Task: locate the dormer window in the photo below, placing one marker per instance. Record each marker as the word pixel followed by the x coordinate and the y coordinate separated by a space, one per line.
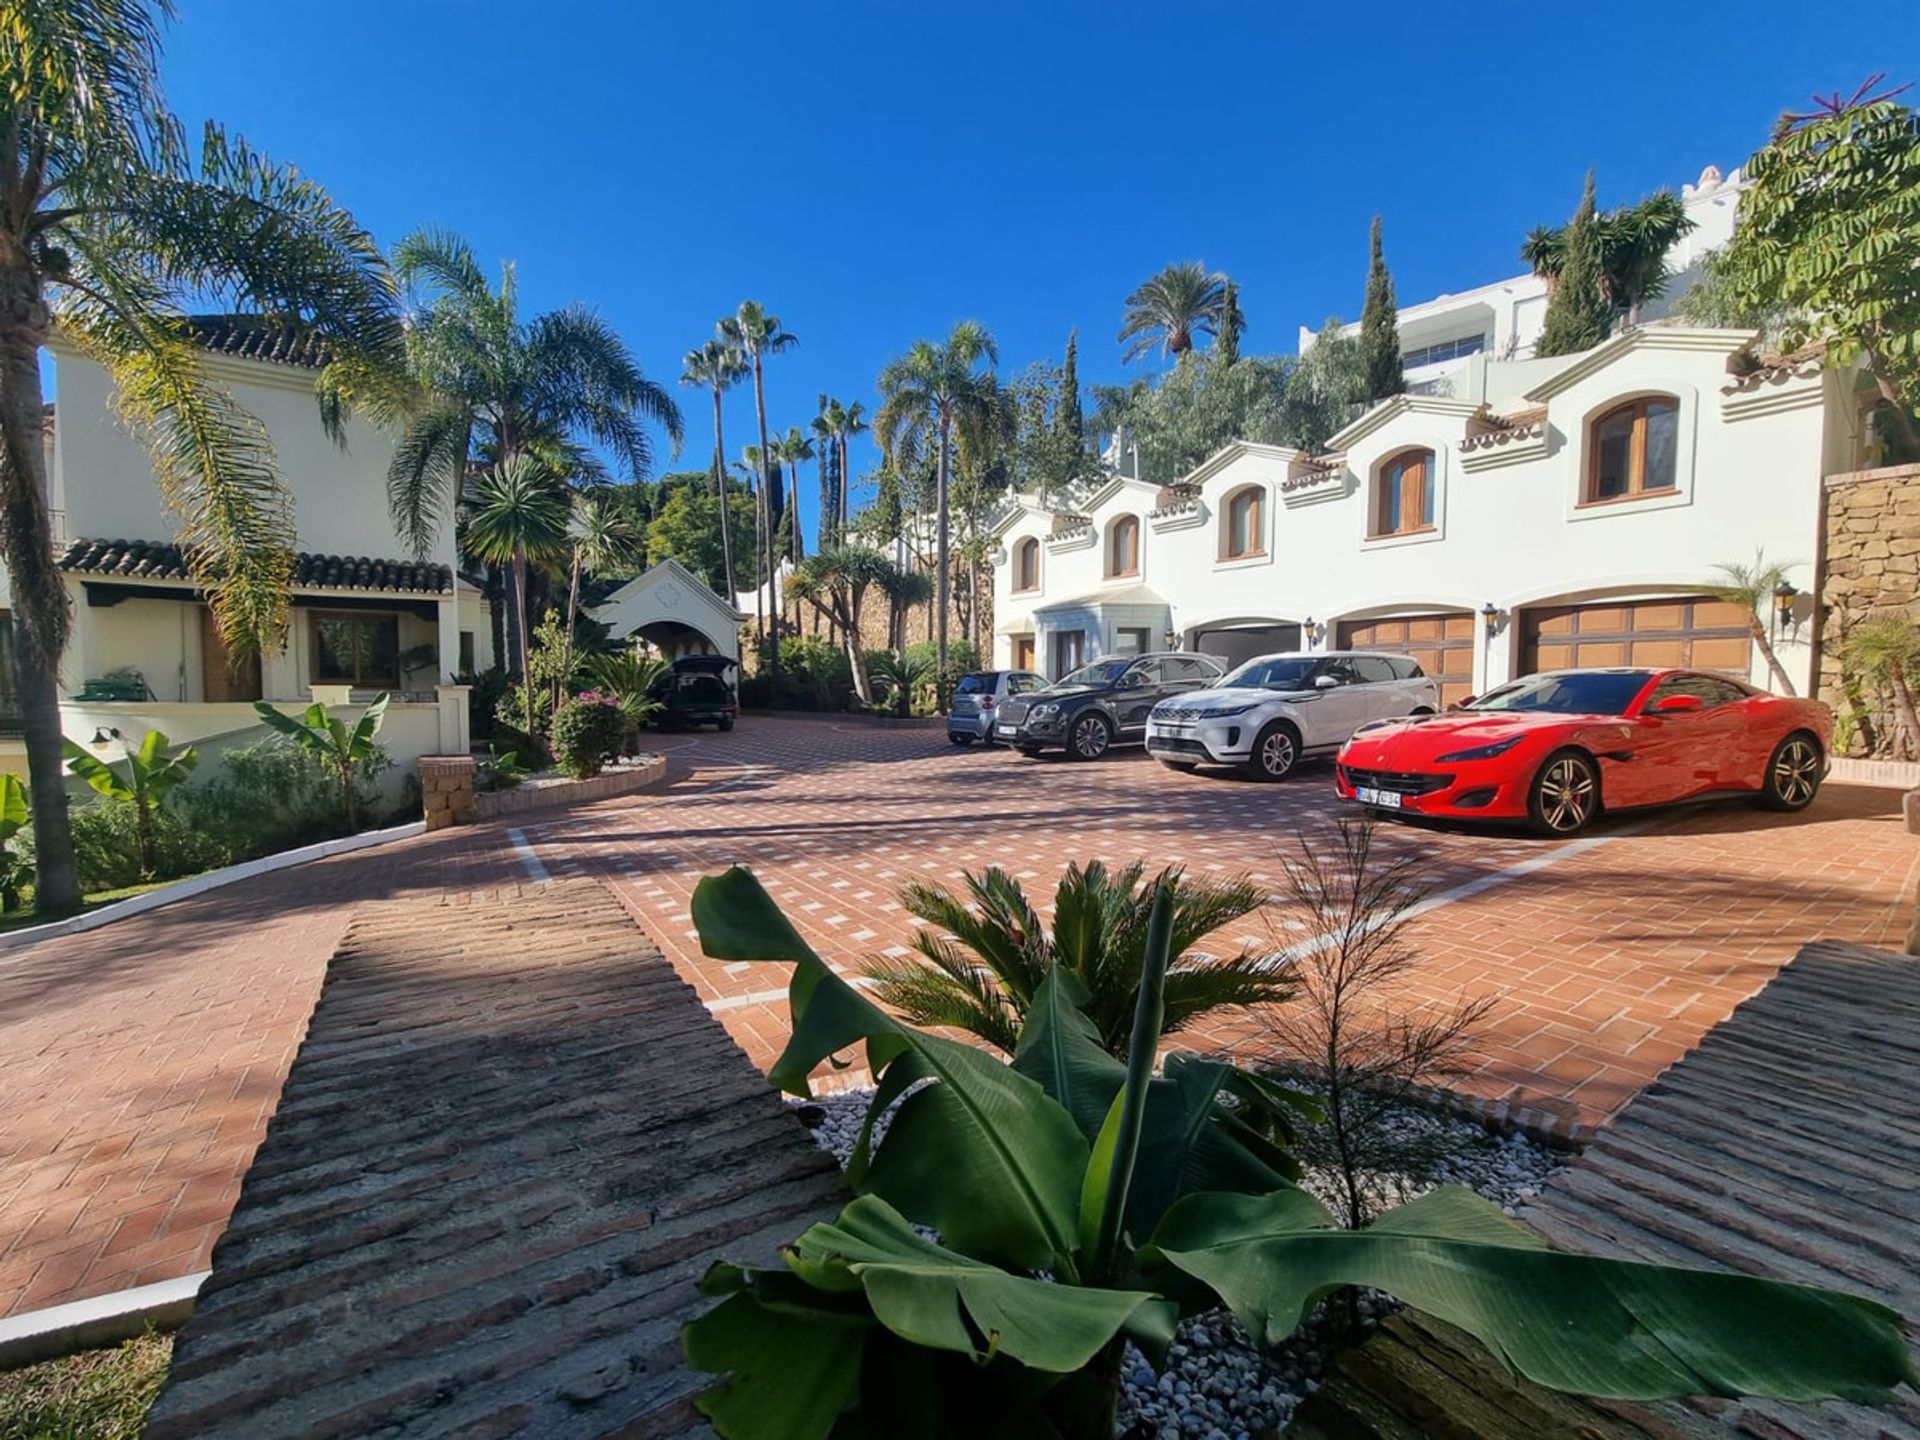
pixel 1026 565
pixel 1123 548
pixel 1634 450
pixel 1403 494
pixel 1245 534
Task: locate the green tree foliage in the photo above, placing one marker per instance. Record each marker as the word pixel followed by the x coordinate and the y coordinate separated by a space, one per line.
pixel 1199 405
pixel 1069 416
pixel 1884 649
pixel 113 225
pixel 687 529
pixel 1172 310
pixel 1226 344
pixel 1752 588
pixel 1830 232
pixel 1634 241
pixel 342 747
pixel 1579 315
pixel 517 517
pixel 836 581
pixel 587 731
pixel 14 815
pixel 719 367
pixel 982 957
pixel 151 773
pixel 1380 326
pixel 1324 390
pixel 1083 1202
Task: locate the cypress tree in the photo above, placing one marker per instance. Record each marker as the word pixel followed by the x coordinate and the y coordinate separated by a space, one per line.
pixel 1226 341
pixel 1068 416
pixel 1380 327
pixel 1579 316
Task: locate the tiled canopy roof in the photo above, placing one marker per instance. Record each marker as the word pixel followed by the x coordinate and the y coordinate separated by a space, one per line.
pixel 256 337
pixel 154 560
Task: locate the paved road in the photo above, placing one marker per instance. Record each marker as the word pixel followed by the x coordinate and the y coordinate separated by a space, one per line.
pixel 138 1063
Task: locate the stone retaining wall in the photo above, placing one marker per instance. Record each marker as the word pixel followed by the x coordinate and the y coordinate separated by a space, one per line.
pixel 1870 561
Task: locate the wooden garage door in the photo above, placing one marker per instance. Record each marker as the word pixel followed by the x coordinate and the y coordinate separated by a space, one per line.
pixel 1702 634
pixel 1441 642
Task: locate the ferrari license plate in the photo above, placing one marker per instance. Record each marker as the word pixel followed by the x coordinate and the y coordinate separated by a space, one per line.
pixel 1385 799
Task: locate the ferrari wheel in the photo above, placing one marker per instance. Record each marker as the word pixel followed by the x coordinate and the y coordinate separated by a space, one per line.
pixel 1565 795
pixel 1089 737
pixel 1793 774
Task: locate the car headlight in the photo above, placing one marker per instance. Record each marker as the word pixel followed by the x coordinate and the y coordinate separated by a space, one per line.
pixel 1044 711
pixel 1224 711
pixel 1479 752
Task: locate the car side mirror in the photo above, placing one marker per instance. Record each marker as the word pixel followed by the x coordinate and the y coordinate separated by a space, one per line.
pixel 1677 705
pixel 1326 682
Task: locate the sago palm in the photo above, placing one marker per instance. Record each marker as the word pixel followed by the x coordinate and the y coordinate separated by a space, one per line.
pixel 984 955
pixel 1172 310
pixel 719 367
pixel 486 383
pixel 925 395
pixel 1885 648
pixel 111 229
pixel 1752 588
pixel 517 516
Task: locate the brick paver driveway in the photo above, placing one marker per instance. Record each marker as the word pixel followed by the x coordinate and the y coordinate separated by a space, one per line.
pixel 138 1063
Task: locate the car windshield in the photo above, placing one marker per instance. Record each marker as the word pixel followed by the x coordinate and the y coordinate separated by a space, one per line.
pixel 1101 672
pixel 1289 673
pixel 1588 692
pixel 975 684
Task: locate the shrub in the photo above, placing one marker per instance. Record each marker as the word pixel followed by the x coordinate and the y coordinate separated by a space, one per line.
pixel 273 795
pixel 485 693
pixel 1082 1203
pixel 587 731
pixel 107 851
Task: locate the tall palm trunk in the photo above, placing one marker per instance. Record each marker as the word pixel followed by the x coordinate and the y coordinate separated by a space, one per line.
pixel 829 527
pixel 940 559
pixel 759 568
pixel 769 541
pixel 1774 667
pixel 39 594
pixel 520 599
pixel 846 487
pixel 720 494
pixel 1903 705
pixel 573 612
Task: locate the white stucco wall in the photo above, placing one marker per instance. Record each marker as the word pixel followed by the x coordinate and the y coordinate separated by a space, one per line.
pixel 1509 528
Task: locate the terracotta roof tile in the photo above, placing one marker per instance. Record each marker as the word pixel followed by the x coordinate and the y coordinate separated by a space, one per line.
pixel 257 337
pixel 158 560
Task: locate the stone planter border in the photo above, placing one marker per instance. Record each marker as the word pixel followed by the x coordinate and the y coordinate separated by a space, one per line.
pixel 548 794
pixel 1896 774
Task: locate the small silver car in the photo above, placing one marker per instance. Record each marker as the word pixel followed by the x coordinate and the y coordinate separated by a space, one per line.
pixel 979 695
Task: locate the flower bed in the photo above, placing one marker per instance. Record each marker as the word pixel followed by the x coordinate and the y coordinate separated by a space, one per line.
pixel 541 792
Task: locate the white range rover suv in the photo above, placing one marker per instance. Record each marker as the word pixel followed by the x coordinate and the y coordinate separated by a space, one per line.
pixel 1276 710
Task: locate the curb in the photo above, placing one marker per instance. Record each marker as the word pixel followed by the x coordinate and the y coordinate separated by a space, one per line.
pixel 98 1321
pixel 200 884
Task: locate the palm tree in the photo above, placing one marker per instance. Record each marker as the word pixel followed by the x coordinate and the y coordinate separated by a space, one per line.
pixel 1634 243
pixel 516 516
pixel 602 539
pixel 755 335
pixel 835 580
pixel 719 367
pixel 932 388
pixel 1886 648
pixel 110 229
pixel 852 422
pixel 790 450
pixel 489 386
pixel 1173 309
pixel 1752 588
pixel 750 470
pixel 984 955
pixel 826 443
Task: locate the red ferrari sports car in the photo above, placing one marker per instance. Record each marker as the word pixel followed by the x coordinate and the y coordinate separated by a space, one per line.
pixel 1556 749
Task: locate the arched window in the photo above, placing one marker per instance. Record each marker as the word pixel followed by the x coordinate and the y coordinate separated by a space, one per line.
pixel 1634 449
pixel 1026 565
pixel 1403 494
pixel 1123 547
pixel 1245 524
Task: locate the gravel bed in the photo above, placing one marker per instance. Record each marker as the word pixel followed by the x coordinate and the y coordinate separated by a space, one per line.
pixel 1218 1385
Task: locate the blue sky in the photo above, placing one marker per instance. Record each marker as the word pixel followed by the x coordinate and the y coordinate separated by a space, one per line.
pixel 874 172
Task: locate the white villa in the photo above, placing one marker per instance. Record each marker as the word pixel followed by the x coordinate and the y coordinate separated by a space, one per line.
pixel 366 617
pixel 1536 513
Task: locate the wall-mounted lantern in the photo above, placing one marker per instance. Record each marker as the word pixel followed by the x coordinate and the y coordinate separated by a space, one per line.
pixel 1490 617
pixel 1784 595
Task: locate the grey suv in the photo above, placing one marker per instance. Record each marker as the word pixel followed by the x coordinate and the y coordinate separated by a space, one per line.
pixel 1102 705
pixel 977 697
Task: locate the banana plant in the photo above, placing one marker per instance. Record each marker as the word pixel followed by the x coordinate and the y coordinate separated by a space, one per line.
pixel 13 819
pixel 338 745
pixel 1081 1203
pixel 151 773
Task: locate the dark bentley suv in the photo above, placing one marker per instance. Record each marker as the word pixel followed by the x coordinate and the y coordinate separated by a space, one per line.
pixel 1105 704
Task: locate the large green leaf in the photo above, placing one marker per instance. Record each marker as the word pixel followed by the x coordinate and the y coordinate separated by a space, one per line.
pixel 366 727
pixel 96 772
pixel 937 1297
pixel 982 1155
pixel 1060 1050
pixel 1575 1322
pixel 788 1369
pixel 13 806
